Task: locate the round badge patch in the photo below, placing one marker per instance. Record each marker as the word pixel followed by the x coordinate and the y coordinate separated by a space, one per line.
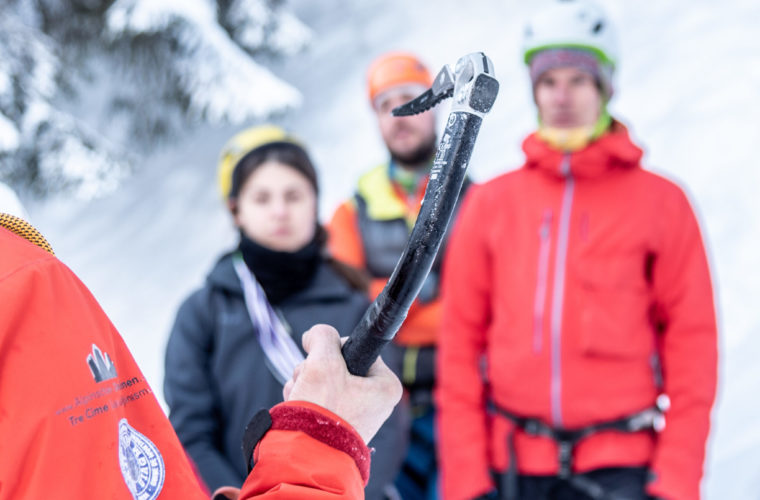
pixel 141 463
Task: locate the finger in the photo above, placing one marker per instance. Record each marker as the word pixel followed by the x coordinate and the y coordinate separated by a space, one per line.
pixel 322 342
pixel 297 371
pixel 379 368
pixel 380 372
pixel 290 383
pixel 287 389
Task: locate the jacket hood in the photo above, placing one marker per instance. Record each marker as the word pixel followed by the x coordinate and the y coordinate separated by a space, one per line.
pixel 326 285
pixel 613 150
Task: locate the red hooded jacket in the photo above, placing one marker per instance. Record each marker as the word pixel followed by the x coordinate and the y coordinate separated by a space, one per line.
pixel 563 281
pixel 78 420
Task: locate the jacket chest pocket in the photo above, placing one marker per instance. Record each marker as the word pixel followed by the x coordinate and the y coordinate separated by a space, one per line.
pixel 614 305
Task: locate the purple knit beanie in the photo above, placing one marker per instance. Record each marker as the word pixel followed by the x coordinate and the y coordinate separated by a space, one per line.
pixel 584 60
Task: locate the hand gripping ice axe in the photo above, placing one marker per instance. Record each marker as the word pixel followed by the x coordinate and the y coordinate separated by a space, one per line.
pixel 474 89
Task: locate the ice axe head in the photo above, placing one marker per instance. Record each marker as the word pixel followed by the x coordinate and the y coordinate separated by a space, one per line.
pixel 472 85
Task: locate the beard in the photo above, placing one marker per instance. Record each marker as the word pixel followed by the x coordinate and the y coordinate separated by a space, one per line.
pixel 418 157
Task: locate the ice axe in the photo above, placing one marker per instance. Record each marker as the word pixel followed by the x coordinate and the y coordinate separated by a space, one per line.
pixel 474 89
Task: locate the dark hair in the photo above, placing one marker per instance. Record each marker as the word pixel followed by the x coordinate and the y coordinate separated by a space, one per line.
pixel 358 279
pixel 287 153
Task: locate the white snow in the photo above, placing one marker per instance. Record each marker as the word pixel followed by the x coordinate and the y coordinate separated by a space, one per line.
pixel 688 86
pixel 231 87
pixel 28 68
pixel 5 79
pixel 9 135
pixel 10 203
pixel 28 59
pixel 74 155
pixel 152 16
pixel 252 34
pixel 223 82
pixel 291 35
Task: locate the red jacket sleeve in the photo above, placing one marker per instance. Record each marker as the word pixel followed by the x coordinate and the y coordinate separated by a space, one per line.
pixel 460 393
pixel 688 344
pixel 308 453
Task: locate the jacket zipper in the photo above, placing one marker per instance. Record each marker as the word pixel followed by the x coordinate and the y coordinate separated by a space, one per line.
pixel 558 292
pixel 539 305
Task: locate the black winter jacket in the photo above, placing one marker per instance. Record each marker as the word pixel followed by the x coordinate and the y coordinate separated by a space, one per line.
pixel 217 377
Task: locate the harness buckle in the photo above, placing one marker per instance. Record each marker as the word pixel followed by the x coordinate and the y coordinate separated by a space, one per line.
pixel 565 458
pixel 532 427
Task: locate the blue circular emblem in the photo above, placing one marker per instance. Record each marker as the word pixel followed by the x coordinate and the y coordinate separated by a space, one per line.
pixel 141 463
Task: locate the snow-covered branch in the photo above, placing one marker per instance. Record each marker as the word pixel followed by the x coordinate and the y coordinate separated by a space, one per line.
pixel 188 61
pixel 221 82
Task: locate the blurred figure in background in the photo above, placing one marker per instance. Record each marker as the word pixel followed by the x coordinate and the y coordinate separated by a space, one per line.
pixel 370 231
pixel 236 341
pixel 577 299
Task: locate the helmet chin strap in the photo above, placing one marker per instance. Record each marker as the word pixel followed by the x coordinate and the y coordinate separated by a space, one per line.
pixel 575 138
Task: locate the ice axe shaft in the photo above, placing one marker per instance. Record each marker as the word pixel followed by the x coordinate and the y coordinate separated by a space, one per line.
pixel 474 91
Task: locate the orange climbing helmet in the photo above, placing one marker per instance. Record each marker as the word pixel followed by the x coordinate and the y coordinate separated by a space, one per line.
pixel 394 69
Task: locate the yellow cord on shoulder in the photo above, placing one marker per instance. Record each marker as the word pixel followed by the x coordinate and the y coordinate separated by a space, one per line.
pixel 22 228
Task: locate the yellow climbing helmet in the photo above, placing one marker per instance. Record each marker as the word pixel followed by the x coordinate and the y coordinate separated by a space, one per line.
pixel 243 143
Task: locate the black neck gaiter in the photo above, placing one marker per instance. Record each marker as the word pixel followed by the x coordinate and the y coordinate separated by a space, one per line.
pixel 281 274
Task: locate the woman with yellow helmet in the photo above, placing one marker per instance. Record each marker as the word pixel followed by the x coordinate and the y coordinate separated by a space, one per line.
pixel 243 328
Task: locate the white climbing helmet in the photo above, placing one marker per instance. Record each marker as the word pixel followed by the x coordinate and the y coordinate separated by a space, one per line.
pixel 571 24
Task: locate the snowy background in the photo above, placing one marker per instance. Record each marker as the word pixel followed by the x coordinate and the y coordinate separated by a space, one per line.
pixel 688 86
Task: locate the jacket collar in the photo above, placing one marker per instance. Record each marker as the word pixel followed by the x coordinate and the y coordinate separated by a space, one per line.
pixel 613 150
pixel 325 286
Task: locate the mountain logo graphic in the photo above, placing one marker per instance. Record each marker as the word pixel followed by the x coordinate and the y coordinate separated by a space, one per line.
pixel 100 364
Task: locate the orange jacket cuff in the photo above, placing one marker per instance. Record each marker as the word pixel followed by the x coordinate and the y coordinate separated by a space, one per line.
pixel 325 426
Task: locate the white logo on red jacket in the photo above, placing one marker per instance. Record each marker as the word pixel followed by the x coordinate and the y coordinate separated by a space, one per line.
pixel 141 463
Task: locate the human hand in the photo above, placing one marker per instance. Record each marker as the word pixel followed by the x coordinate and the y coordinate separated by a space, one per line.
pixel 323 379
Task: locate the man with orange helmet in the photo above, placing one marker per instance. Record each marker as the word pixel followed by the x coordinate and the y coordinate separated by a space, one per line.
pixel 370 231
pixel 580 307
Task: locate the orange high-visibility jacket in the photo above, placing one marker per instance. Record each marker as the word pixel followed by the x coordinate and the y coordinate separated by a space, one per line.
pixel 393 215
pixel 78 419
pixel 571 276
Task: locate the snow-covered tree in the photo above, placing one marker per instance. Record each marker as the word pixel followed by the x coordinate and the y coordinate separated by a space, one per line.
pixel 177 63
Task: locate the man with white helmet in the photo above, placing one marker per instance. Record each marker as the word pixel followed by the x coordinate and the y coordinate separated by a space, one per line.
pixel 580 309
